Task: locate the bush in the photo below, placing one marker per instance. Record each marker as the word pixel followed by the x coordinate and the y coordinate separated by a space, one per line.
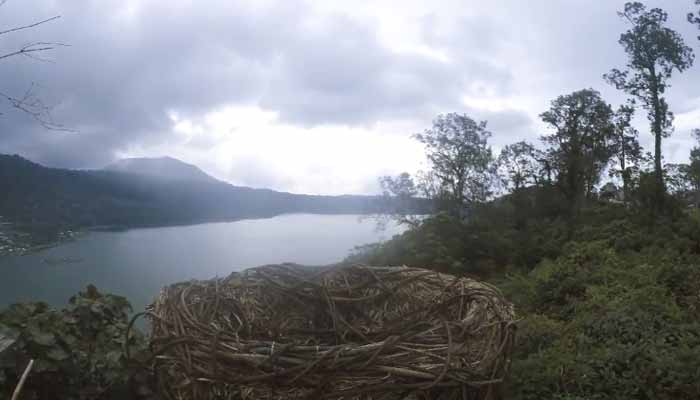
pixel 78 351
pixel 609 300
pixel 601 328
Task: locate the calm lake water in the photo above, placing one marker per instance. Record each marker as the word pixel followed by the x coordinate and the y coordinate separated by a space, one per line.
pixel 137 263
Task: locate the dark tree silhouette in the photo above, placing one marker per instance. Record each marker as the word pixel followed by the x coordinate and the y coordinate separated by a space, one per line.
pixel 694 168
pixel 580 146
pixel 398 200
pixel 519 165
pixel 626 147
pixel 654 52
pixel 460 159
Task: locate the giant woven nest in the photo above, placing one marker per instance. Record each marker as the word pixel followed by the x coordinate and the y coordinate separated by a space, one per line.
pixel 293 332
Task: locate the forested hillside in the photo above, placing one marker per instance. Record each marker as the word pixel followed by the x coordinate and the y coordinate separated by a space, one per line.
pixel 595 240
pixel 37 196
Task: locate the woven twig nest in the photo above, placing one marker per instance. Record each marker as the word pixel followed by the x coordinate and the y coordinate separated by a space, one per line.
pixel 292 332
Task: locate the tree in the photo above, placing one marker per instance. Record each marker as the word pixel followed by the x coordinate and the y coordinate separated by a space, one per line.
pixel 677 178
pixel 519 165
pixel 654 52
pixel 28 102
pixel 460 160
pixel 694 167
pixel 626 147
pixel 398 199
pixel 580 147
pixel 695 19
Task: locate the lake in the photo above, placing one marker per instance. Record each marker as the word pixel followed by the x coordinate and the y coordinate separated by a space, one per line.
pixel 136 263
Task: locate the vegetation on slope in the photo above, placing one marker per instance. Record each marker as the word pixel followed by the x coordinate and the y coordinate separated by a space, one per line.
pixel 606 281
pixel 78 350
pixel 608 306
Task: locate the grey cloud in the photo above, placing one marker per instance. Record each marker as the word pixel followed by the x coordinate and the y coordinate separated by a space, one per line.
pixel 509 126
pixel 344 75
pixel 252 171
pixel 116 83
pixel 121 76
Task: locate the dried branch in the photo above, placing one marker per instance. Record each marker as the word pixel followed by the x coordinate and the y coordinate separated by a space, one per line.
pixel 29 103
pixel 19 28
pixel 35 108
pixel 29 49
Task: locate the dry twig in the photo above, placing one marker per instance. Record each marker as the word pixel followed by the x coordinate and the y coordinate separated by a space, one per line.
pixel 22 379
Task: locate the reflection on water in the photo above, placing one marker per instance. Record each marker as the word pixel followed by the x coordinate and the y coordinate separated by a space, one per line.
pixel 137 263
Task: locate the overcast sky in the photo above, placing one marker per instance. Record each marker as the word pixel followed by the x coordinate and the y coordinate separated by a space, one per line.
pixel 309 96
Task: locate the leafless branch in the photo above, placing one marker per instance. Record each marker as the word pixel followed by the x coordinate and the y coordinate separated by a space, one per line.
pixel 19 28
pixel 35 47
pixel 29 103
pixel 35 108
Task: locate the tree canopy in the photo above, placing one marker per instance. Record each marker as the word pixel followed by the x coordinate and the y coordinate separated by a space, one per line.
pixel 460 159
pixel 580 145
pixel 654 52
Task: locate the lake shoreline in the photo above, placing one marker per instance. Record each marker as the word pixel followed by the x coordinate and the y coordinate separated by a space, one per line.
pixel 25 242
pixel 138 262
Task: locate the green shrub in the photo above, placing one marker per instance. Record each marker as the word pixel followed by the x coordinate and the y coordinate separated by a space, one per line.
pixel 78 351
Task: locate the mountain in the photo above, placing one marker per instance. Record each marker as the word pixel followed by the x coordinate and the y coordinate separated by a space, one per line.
pixel 132 194
pixel 162 167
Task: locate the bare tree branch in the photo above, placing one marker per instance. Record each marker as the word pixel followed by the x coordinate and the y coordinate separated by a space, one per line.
pixel 29 103
pixel 35 108
pixel 35 47
pixel 19 28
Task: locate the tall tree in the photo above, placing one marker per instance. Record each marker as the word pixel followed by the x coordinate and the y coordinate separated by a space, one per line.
pixel 654 52
pixel 519 165
pixel 580 146
pixel 694 168
pixel 626 147
pixel 460 159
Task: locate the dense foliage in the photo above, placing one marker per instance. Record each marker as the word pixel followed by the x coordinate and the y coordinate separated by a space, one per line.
pixel 609 305
pixel 607 321
pixel 654 52
pixel 78 351
pixel 606 281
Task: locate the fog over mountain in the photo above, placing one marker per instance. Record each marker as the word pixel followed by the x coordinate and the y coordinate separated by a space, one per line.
pixel 308 96
pixel 161 167
pixel 145 192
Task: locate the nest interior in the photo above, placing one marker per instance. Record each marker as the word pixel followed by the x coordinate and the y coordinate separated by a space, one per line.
pixel 353 332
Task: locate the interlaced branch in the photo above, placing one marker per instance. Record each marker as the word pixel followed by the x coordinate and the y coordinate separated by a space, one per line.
pixel 292 332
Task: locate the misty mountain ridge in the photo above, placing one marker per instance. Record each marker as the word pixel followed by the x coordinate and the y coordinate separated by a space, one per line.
pixel 161 167
pixel 146 192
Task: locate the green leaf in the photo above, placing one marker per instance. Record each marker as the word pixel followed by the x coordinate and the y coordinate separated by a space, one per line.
pixel 44 339
pixel 69 339
pixel 114 357
pixel 57 354
pixel 43 366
